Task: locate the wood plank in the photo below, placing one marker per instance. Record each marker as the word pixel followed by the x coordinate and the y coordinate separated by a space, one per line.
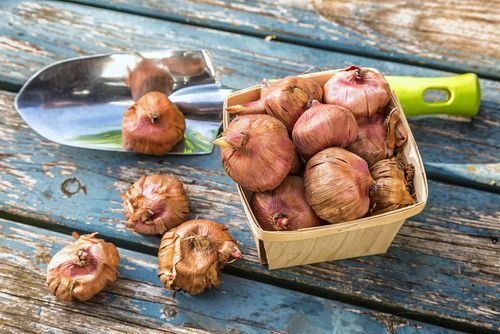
pixel 245 74
pixel 456 35
pixel 442 266
pixel 137 303
pixel 35 34
pixel 468 174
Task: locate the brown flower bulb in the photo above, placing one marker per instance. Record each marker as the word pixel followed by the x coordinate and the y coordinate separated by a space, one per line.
pixel 285 99
pixel 322 126
pixel 83 268
pixel 361 90
pixel 256 152
pixel 155 203
pixel 337 184
pixel 284 208
pixel 391 186
pixel 149 76
pixel 396 132
pixel 185 65
pixel 153 125
pixel 379 136
pixel 192 255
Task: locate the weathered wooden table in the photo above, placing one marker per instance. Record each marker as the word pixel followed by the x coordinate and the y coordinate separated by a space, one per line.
pixel 441 274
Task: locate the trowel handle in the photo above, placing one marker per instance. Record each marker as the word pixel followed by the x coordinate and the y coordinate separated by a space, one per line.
pixel 462 94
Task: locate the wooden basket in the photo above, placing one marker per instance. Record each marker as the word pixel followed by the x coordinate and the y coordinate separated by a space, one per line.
pixel 360 237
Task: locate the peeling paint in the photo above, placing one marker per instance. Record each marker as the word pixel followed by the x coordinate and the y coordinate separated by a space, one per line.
pixel 65 168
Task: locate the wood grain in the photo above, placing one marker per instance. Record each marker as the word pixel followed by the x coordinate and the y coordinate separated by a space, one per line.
pixel 443 265
pixel 459 35
pixel 137 303
pixel 34 34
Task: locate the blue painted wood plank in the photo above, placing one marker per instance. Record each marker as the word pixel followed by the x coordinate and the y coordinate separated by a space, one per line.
pixel 487 174
pixel 137 302
pixel 443 264
pixel 37 33
pixel 249 59
pixel 427 33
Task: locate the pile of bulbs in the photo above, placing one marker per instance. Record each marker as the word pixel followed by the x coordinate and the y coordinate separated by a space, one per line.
pixel 345 133
pixel 192 252
pixel 191 255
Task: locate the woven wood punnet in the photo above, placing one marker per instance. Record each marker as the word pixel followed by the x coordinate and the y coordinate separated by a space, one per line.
pixel 360 237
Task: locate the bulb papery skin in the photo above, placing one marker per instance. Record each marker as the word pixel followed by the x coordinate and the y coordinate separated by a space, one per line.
pixel 371 142
pixel 191 255
pixel 185 65
pixel 288 99
pixel 396 132
pixel 358 89
pixel 256 152
pixel 379 136
pixel 337 184
pixel 149 76
pixel 322 126
pixel 285 99
pixel 284 208
pixel 83 268
pixel 153 125
pixel 391 190
pixel 249 108
pixel 155 203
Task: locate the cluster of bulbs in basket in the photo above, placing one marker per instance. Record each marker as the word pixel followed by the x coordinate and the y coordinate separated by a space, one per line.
pixel 313 155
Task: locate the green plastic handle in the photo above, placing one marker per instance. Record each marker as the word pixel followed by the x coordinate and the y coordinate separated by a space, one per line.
pixel 463 91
